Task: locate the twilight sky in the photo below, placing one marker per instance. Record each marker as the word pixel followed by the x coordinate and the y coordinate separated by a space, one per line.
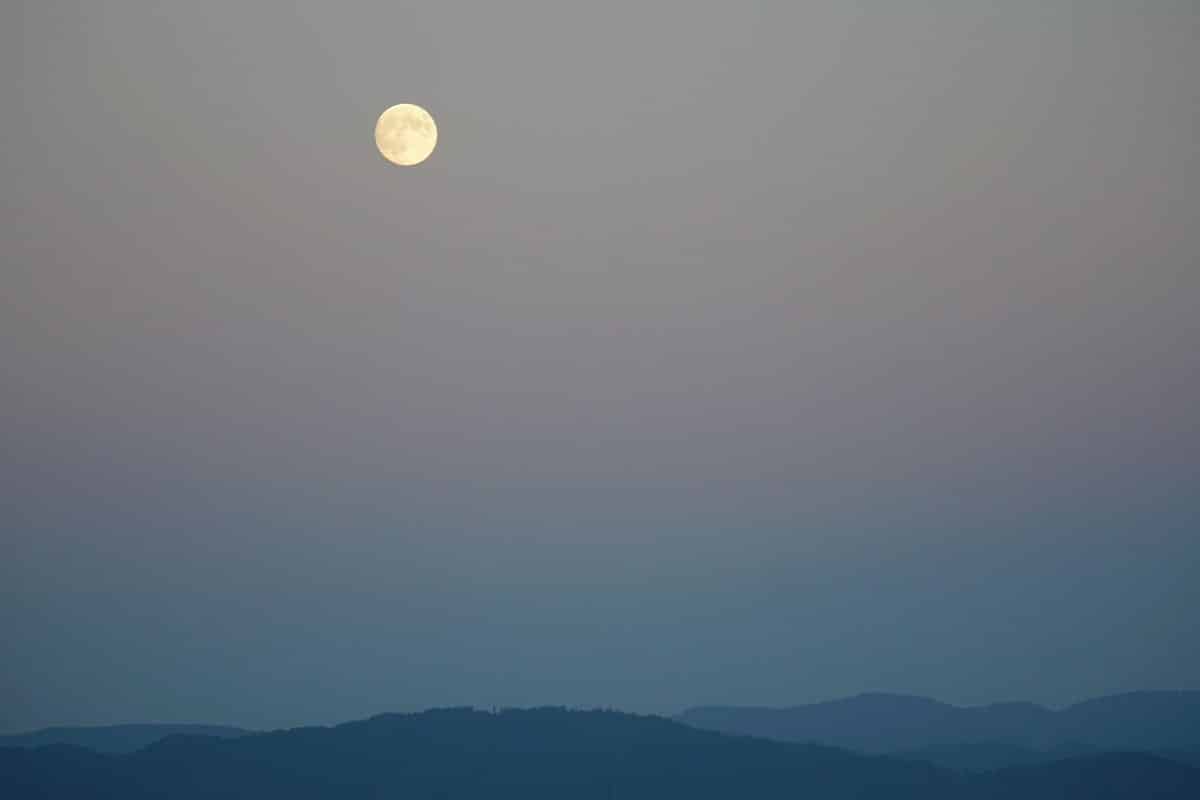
pixel 722 353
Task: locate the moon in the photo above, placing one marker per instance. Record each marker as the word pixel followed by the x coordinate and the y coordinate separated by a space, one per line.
pixel 406 134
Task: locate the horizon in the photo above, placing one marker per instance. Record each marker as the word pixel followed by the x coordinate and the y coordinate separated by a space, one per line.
pixel 674 716
pixel 1138 750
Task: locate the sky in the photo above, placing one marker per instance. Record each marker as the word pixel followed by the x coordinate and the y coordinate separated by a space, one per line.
pixel 740 353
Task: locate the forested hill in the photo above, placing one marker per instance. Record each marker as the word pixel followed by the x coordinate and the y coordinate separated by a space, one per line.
pixel 544 753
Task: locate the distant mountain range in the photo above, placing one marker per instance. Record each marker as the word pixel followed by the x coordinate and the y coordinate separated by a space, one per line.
pixel 549 753
pixel 115 738
pixel 977 737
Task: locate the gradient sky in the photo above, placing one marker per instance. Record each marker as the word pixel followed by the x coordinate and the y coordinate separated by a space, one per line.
pixel 722 353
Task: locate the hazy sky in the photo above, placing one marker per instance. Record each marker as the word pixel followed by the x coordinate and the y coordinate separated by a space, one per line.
pixel 723 352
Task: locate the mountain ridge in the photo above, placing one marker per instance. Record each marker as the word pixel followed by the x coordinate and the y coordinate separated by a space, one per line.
pixel 115 739
pixel 544 753
pixel 876 722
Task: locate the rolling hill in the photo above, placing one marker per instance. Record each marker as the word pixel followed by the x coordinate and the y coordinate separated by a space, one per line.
pixel 543 753
pixel 884 723
pixel 115 738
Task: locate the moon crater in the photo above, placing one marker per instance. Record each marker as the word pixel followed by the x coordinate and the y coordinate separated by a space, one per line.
pixel 406 134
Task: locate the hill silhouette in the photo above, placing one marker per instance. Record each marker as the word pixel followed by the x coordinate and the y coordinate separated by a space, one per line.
pixel 542 753
pixel 114 738
pixel 980 756
pixel 885 723
pixel 1111 776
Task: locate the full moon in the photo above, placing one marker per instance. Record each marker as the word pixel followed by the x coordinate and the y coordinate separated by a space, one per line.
pixel 406 134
